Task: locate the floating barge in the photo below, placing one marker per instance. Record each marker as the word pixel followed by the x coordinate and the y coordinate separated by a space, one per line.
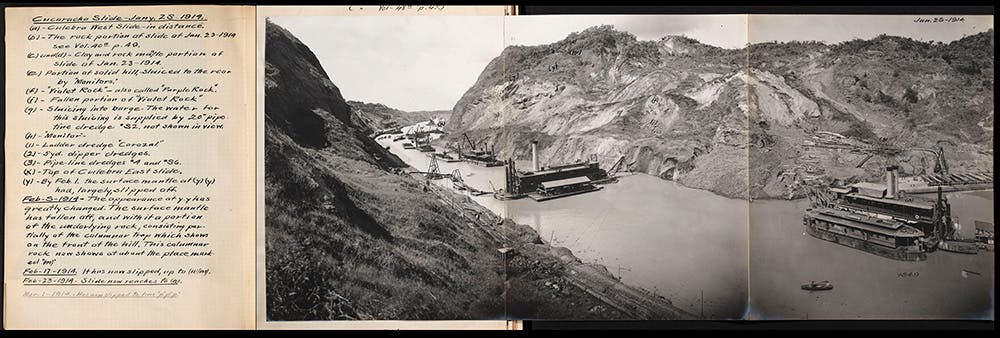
pixel 884 237
pixel 881 220
pixel 479 153
pixel 542 184
pixel 563 188
pixel 483 159
pixel 447 158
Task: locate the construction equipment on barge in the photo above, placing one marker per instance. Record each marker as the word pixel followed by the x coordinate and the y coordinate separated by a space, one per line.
pixel 444 156
pixel 881 220
pixel 542 184
pixel 479 153
pixel 458 183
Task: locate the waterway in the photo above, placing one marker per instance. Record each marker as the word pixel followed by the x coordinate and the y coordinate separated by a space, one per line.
pixel 684 244
pixel 697 249
pixel 945 286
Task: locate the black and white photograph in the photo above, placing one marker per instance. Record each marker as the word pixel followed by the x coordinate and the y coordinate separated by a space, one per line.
pixel 628 167
pixel 871 167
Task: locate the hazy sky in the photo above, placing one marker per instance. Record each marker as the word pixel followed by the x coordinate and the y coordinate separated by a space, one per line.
pixel 427 63
pixel 727 31
pixel 410 63
pixel 838 28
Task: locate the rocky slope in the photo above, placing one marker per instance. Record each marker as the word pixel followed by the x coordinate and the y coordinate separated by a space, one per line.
pixel 699 114
pixel 889 90
pixel 376 116
pixel 349 235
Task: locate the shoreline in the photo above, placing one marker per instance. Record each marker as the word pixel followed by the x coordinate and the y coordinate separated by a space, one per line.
pixel 540 270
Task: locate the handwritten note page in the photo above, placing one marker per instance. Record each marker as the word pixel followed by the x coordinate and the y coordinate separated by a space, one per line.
pixel 129 167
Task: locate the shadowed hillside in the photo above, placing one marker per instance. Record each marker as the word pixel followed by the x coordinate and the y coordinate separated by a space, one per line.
pixel 350 235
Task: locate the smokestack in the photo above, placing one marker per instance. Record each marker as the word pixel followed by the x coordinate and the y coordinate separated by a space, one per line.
pixel 534 155
pixel 891 182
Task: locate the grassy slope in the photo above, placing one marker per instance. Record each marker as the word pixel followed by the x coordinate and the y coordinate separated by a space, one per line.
pixel 345 237
pixel 349 238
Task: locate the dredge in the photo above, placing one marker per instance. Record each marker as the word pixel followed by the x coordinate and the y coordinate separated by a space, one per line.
pixel 881 220
pixel 546 183
pixel 479 155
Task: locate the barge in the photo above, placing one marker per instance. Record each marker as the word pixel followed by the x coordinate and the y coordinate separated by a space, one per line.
pixel 482 159
pixel 884 237
pixel 882 220
pixel 446 157
pixel 546 183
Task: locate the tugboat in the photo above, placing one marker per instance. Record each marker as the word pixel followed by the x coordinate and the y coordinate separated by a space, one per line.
pixel 817 286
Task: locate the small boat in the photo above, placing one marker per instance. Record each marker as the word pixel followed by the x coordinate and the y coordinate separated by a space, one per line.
pixel 959 247
pixel 817 286
pixel 408 145
pixel 966 273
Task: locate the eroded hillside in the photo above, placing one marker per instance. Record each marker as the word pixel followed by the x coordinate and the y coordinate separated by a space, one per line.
pixel 703 115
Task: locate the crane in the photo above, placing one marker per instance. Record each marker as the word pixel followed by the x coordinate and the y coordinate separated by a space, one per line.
pixel 618 166
pixel 472 145
pixel 889 152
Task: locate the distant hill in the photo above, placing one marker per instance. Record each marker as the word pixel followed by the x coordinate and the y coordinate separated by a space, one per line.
pixel 377 116
pixel 683 110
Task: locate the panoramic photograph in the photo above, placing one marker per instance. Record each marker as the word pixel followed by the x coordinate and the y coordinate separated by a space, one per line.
pixel 538 168
pixel 637 167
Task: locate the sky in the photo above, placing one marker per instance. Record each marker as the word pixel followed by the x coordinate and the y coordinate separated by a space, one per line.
pixel 839 28
pixel 427 62
pixel 406 62
pixel 727 31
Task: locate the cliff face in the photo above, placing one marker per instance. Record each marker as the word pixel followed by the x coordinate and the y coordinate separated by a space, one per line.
pixel 699 114
pixel 346 238
pixel 888 90
pixel 669 107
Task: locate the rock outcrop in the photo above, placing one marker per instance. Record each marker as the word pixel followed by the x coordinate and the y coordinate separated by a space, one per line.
pixel 718 119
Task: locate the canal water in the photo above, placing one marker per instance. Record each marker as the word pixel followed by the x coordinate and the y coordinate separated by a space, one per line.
pixel 684 244
pixel 693 247
pixel 945 286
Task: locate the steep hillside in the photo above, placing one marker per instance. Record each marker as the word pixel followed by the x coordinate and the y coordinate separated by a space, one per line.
pixel 670 107
pixel 346 238
pixel 351 235
pixel 683 110
pixel 889 90
pixel 377 116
